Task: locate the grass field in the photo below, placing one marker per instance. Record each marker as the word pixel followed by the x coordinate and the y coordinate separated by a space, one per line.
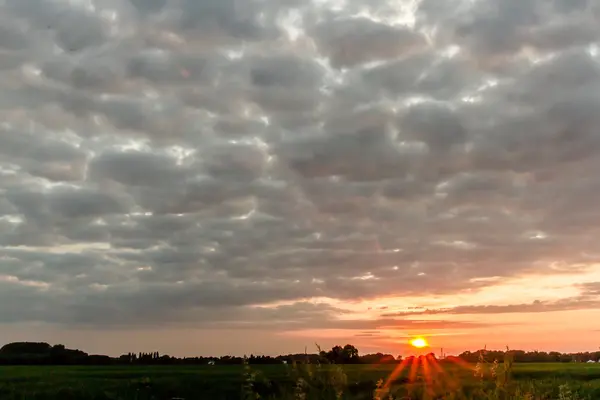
pixel 529 381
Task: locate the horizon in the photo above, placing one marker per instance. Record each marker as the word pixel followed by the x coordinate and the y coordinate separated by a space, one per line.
pixel 197 176
pixel 413 352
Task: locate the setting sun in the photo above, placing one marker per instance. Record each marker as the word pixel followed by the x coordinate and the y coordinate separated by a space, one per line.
pixel 419 342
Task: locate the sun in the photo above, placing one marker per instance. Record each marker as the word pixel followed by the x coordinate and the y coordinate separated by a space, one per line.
pixel 419 342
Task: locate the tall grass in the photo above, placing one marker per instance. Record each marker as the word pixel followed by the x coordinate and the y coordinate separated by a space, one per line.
pixel 487 381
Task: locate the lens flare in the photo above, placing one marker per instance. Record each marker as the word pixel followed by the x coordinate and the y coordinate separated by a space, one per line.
pixel 434 376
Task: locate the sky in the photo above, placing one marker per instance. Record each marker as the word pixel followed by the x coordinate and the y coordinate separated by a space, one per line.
pixel 207 177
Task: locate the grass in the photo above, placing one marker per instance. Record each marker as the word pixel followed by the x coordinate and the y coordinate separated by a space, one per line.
pixel 356 382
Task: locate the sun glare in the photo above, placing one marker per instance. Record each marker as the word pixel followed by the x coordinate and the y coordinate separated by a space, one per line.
pixel 419 342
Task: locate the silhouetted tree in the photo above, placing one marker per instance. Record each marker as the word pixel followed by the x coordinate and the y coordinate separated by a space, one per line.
pixel 28 353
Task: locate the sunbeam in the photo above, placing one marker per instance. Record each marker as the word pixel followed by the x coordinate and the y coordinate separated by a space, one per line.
pixel 426 371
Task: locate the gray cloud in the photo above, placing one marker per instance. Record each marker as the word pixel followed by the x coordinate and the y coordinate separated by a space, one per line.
pixel 184 160
pixel 589 298
pixel 352 41
pixel 136 168
pixel 535 307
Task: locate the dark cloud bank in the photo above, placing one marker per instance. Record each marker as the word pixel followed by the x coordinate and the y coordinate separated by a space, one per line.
pixel 181 160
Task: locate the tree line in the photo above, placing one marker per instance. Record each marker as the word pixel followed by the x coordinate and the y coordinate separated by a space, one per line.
pixel 30 353
pixel 531 356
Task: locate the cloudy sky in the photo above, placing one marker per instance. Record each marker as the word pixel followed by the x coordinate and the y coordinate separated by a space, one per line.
pixel 236 176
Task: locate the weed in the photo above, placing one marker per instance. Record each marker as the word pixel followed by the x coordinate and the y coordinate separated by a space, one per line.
pixel 499 379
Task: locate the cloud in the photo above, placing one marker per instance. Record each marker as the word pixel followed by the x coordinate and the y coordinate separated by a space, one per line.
pixel 590 289
pixel 348 42
pixel 369 334
pixel 587 300
pixel 306 316
pixel 188 160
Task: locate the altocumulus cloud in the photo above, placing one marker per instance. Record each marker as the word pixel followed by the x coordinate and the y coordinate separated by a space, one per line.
pixel 186 161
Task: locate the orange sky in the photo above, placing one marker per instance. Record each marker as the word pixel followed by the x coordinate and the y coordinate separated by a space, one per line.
pixel 566 330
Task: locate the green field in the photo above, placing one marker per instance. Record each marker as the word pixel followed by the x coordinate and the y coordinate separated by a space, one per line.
pixel 538 381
